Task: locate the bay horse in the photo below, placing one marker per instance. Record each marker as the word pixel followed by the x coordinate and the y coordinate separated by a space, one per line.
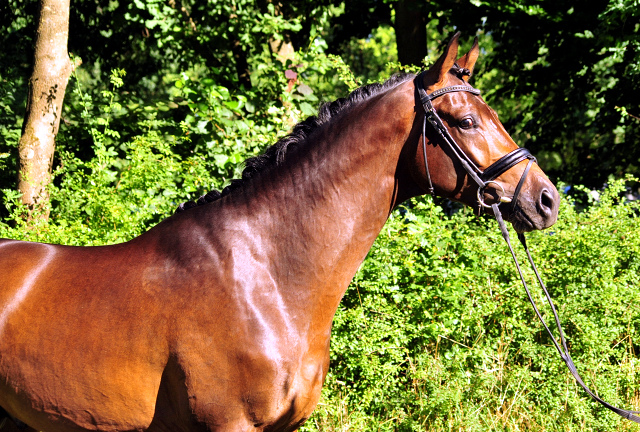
pixel 219 317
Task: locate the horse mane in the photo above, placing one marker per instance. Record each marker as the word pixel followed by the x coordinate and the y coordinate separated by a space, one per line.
pixel 275 155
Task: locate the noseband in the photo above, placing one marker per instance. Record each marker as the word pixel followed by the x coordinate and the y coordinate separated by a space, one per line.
pixel 483 179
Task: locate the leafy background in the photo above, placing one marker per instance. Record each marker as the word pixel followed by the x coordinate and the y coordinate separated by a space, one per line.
pixel 435 332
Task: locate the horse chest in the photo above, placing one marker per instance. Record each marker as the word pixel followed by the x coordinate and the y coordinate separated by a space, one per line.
pixel 245 388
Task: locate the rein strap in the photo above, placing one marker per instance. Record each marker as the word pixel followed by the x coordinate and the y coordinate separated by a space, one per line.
pixel 562 347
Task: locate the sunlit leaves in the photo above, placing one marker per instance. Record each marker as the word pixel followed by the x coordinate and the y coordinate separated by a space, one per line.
pixel 436 333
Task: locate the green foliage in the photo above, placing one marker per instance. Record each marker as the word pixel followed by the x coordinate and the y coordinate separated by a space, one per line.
pixel 226 126
pixel 9 128
pixel 124 189
pixel 345 73
pixel 371 57
pixel 563 75
pixel 142 163
pixel 436 332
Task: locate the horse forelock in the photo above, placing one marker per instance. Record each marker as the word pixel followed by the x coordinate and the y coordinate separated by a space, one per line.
pixel 276 155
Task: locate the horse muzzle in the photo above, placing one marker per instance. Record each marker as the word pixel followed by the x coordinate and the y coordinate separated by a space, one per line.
pixel 536 207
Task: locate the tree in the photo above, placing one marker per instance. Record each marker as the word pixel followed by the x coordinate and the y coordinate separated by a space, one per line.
pixel 47 86
pixel 568 83
pixel 411 32
pixel 563 74
pixel 362 17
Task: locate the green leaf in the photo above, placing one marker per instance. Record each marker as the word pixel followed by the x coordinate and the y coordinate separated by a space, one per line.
pixel 307 109
pixel 232 105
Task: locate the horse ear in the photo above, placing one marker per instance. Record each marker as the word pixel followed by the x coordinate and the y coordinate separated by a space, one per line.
pixel 438 72
pixel 468 60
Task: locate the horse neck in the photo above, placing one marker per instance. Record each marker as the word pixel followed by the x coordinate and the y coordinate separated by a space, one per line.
pixel 317 217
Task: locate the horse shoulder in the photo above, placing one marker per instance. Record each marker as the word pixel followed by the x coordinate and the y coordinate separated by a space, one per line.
pixel 240 352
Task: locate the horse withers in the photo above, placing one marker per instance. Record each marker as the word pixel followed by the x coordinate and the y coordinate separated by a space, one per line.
pixel 219 317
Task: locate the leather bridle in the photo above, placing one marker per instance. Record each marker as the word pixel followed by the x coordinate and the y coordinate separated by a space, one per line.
pixel 480 177
pixel 483 178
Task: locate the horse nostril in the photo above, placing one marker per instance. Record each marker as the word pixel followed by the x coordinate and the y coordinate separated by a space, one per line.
pixel 546 201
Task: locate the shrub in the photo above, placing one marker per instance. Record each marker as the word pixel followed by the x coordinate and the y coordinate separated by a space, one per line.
pixel 436 331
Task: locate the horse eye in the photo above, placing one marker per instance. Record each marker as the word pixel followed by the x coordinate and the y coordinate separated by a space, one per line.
pixel 466 123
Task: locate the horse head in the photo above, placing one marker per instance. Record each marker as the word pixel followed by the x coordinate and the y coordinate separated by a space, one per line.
pixel 466 154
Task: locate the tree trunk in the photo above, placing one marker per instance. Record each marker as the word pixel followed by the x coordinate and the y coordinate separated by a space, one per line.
pixel 242 66
pixel 411 32
pixel 47 85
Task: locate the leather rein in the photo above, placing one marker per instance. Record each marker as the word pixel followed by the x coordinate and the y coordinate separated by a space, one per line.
pixel 484 178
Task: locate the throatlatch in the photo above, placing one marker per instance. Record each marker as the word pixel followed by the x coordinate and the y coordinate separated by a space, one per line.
pixel 483 179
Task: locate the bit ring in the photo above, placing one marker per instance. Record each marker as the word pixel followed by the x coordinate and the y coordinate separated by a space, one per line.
pixel 481 192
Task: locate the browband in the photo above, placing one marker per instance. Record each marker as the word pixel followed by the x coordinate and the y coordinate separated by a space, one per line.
pixel 449 89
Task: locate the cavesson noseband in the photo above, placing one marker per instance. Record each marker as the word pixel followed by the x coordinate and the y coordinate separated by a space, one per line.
pixel 483 179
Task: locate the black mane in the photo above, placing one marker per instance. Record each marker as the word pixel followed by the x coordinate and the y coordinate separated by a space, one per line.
pixel 275 155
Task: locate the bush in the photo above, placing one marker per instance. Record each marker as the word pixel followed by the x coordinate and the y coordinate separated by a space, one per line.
pixel 436 332
pixel 122 166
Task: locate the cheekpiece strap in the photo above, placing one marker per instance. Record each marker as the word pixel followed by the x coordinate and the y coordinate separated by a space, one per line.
pixel 432 117
pixel 481 177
